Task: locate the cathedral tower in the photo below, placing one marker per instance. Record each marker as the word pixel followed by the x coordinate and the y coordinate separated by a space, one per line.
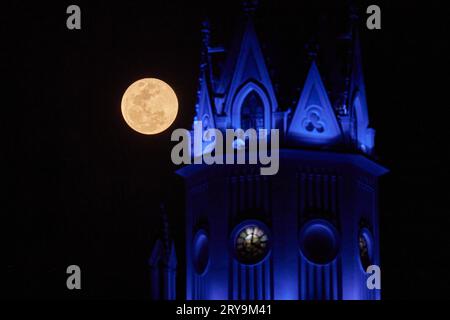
pixel 311 230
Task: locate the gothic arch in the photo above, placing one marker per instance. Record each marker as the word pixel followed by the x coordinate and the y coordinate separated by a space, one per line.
pixel 239 99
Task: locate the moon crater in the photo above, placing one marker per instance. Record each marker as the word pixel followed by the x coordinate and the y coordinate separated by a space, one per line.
pixel 149 106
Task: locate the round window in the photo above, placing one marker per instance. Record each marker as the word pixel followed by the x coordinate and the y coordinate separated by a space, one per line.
pixel 251 242
pixel 319 241
pixel 201 252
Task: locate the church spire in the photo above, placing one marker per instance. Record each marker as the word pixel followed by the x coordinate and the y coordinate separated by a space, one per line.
pixel 358 131
pixel 343 104
pixel 350 79
pixel 204 64
pixel 163 262
pixel 206 32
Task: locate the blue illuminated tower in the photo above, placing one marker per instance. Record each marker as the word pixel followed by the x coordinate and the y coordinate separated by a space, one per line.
pixel 308 232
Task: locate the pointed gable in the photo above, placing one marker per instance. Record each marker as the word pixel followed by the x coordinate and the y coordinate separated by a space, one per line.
pixel 314 121
pixel 249 66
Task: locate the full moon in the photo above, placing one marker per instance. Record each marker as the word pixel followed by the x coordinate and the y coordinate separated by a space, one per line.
pixel 149 106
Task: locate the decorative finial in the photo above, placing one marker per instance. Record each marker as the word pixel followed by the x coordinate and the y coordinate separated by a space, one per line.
pixel 206 31
pixel 353 11
pixel 311 49
pixel 249 6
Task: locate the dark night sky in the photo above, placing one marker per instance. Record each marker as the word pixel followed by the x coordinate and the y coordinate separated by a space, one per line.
pixel 82 188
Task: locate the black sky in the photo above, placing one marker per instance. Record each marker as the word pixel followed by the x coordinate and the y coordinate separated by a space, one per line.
pixel 81 188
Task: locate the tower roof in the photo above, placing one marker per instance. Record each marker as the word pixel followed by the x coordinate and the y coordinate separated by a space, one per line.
pixel 329 60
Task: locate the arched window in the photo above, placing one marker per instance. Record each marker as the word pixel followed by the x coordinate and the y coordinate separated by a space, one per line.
pixel 252 112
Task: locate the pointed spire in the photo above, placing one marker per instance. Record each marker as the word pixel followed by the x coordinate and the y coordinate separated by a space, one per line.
pixel 206 32
pixel 356 72
pixel 354 78
pixel 351 105
pixel 204 62
pixel 343 105
pixel 165 237
pixel 163 262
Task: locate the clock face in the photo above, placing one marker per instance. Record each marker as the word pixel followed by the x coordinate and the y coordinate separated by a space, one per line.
pixel 251 244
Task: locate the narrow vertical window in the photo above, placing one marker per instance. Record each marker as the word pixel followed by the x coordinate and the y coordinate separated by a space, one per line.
pixel 252 112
